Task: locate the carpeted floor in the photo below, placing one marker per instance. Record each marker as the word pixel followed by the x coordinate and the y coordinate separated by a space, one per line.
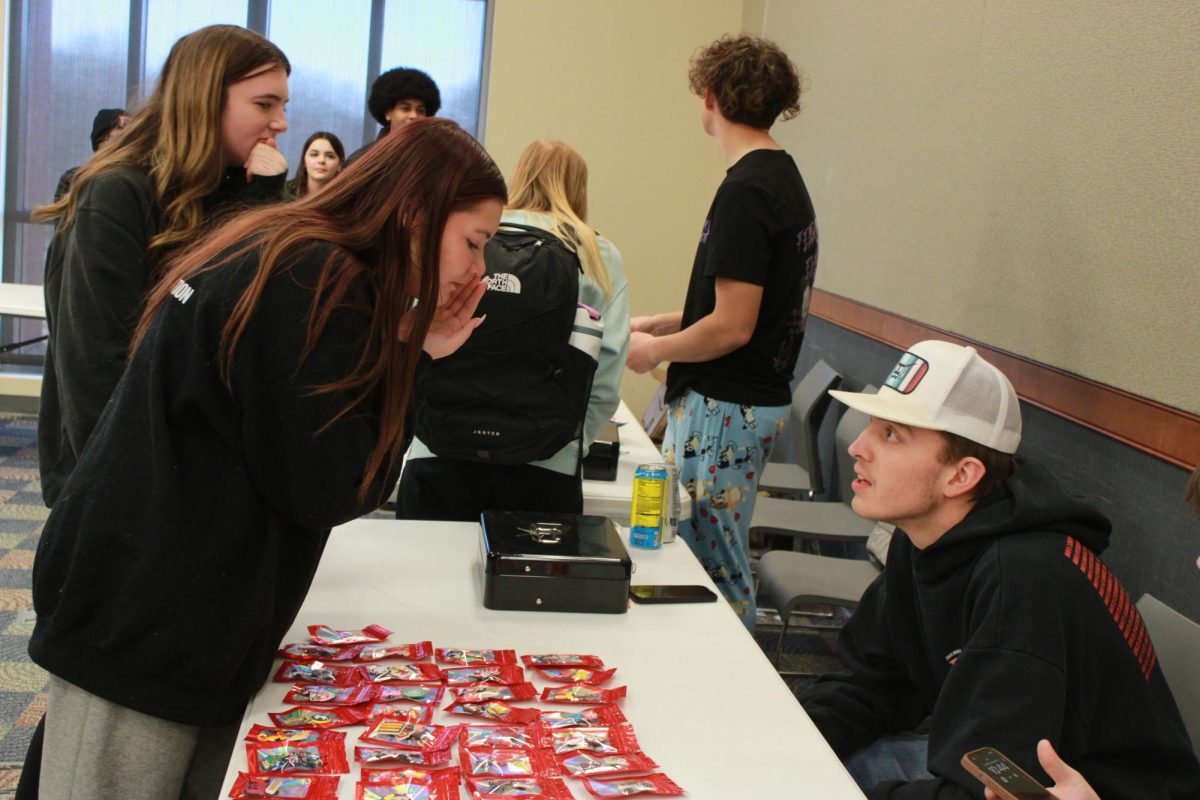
pixel 23 684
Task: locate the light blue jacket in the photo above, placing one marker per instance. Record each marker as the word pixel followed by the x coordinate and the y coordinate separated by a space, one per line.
pixel 614 347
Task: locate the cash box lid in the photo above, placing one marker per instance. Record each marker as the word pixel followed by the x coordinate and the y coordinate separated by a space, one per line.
pixel 553 545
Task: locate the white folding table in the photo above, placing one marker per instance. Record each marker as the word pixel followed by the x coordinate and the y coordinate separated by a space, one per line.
pixel 704 700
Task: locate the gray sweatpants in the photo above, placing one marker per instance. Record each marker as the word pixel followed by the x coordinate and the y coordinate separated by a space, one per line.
pixel 95 750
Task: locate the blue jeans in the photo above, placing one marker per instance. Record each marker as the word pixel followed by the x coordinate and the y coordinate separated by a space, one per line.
pixel 901 757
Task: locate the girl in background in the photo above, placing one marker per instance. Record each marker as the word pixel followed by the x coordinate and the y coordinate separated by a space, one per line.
pixel 549 191
pixel 264 402
pixel 322 159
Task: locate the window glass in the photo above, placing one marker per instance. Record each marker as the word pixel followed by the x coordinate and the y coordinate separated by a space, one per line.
pixel 83 47
pixel 445 39
pixel 169 20
pixel 327 46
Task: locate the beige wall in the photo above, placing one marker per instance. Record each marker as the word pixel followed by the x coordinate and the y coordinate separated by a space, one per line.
pixel 1021 173
pixel 610 79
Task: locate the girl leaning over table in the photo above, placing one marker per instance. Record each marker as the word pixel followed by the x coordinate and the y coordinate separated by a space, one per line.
pixel 264 402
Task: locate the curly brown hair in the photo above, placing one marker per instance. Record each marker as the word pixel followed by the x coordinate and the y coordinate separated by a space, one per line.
pixel 753 81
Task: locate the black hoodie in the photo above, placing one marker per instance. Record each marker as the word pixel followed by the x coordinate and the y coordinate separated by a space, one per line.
pixel 185 540
pixel 1006 630
pixel 98 272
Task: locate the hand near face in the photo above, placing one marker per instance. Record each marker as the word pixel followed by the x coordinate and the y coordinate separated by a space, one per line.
pixel 452 323
pixel 640 359
pixel 265 160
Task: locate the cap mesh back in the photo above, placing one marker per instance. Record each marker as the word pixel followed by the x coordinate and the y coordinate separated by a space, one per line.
pixel 977 394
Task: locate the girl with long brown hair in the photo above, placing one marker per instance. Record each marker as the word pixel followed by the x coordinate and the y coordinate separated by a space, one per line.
pixel 264 402
pixel 202 144
pixel 322 158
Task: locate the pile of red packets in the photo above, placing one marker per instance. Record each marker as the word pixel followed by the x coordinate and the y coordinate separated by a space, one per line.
pixel 504 750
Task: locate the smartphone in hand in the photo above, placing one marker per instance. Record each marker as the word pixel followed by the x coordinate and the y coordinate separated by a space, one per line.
pixel 672 594
pixel 995 771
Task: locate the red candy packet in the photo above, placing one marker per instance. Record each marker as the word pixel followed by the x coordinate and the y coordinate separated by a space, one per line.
pixel 313 717
pixel 411 787
pixel 302 787
pixel 400 710
pixel 656 784
pixel 323 634
pixel 606 714
pixel 262 733
pixel 389 774
pixel 614 739
pixel 507 763
pixel 306 651
pixel 403 673
pixel 507 675
pixel 576 674
pixel 482 692
pixel 561 660
pixel 510 737
pixel 410 652
pixel 500 788
pixel 268 758
pixel 475 658
pixel 581 693
pixel 324 694
pixel 367 754
pixel 430 694
pixel 317 672
pixel 579 765
pixel 496 710
pixel 404 734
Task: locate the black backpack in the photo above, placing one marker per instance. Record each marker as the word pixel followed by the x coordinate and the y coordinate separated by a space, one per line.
pixel 517 390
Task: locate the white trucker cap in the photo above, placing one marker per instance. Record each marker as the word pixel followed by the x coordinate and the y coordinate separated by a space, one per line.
pixel 946 387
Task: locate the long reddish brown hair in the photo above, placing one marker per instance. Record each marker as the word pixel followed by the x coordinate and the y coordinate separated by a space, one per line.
pixel 405 186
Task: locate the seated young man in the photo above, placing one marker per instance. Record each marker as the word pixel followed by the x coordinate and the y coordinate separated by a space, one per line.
pixel 995 622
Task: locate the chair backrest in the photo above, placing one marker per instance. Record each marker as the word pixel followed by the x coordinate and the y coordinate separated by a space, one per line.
pixel 848 429
pixel 1177 642
pixel 809 403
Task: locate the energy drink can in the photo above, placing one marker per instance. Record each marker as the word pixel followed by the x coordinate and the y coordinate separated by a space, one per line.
pixel 645 515
pixel 671 509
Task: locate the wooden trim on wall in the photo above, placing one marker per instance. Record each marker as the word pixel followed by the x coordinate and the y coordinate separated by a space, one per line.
pixel 1168 433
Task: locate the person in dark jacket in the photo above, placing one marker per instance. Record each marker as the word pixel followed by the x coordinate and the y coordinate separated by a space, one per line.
pixel 265 402
pixel 397 97
pixel 108 125
pixel 203 145
pixel 995 624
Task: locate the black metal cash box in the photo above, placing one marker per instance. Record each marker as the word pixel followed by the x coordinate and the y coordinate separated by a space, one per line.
pixel 553 562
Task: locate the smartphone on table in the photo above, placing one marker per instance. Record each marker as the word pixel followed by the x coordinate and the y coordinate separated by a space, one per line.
pixel 672 594
pixel 997 772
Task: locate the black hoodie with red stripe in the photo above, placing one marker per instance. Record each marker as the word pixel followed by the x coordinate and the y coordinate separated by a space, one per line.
pixel 1007 630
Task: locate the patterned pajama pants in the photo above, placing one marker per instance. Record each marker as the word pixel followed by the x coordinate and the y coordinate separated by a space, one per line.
pixel 720 449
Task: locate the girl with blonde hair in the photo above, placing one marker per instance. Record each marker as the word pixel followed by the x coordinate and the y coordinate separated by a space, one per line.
pixel 548 191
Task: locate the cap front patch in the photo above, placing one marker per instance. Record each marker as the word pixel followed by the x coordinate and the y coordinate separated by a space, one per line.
pixel 907 374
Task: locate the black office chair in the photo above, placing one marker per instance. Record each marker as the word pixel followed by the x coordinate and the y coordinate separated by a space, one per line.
pixel 802 480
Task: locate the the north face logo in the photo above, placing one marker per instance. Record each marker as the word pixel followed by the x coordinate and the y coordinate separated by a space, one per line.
pixel 504 282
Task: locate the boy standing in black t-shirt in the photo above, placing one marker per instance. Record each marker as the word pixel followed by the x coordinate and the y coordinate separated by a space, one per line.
pixel 734 345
